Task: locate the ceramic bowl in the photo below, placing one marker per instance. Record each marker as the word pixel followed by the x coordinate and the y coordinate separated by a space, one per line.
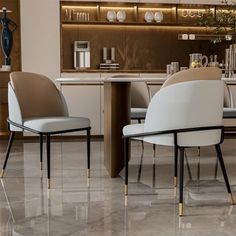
pixel 148 16
pixel 111 16
pixel 158 16
pixel 121 16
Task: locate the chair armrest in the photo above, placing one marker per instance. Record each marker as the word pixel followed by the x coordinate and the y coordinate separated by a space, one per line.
pixel 173 131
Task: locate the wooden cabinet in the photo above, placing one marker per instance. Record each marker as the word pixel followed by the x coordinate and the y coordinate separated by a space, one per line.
pixel 140 46
pixel 4 79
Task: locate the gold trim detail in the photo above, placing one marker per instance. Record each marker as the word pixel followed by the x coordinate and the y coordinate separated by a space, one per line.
pixel 231 199
pixel 126 189
pixel 49 184
pixel 2 173
pixel 88 173
pixel 181 209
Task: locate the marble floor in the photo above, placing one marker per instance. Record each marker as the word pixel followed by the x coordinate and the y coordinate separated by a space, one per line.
pixel 73 208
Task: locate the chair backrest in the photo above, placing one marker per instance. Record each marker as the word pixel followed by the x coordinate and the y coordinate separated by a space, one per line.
pixel 201 73
pixel 184 105
pixel 140 96
pixel 36 95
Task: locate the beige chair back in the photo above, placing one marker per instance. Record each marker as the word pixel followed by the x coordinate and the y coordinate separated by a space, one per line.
pixel 202 73
pixel 37 95
pixel 140 96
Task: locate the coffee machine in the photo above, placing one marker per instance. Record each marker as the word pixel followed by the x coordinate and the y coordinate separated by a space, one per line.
pixel 81 54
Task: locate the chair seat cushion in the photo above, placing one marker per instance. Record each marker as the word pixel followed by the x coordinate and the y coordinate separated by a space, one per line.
pixel 229 112
pixel 134 129
pixel 56 124
pixel 138 113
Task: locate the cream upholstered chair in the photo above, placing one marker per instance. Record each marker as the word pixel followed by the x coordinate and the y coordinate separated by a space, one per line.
pixel 36 105
pixel 182 115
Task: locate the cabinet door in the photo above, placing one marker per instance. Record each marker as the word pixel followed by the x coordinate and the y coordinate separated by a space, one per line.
pixel 84 100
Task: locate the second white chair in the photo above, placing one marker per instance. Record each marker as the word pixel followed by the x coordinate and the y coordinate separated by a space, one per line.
pixel 183 115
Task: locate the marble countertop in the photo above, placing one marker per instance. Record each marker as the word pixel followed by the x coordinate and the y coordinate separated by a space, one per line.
pixel 158 78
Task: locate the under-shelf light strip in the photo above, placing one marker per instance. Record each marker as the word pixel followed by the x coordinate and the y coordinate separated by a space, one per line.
pixel 79 7
pixel 157 8
pixel 107 25
pixel 117 8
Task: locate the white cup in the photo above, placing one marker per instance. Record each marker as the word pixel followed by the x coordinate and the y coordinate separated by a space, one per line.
pixel 6 68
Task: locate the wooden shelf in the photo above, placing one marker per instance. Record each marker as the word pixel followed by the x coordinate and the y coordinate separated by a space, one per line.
pixel 209 37
pixel 64 23
pixel 174 14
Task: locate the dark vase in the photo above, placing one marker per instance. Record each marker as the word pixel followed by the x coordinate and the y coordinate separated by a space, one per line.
pixel 6 39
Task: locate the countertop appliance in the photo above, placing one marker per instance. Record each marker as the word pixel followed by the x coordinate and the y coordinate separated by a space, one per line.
pixel 81 54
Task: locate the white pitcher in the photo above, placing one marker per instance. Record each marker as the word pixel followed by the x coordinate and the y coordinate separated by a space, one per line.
pixel 196 60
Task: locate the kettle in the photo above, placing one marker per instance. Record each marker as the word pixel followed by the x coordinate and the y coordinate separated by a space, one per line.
pixel 196 60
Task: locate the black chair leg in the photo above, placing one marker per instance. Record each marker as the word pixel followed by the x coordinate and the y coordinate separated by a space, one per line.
pixel 41 151
pixel 48 159
pixel 88 153
pixel 126 159
pixel 181 181
pixel 176 166
pixel 12 135
pixel 221 161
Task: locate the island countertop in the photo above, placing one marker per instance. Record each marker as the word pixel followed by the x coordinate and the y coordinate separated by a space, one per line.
pixel 158 79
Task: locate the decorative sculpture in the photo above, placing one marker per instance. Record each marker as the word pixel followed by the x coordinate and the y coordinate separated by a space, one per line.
pixel 6 39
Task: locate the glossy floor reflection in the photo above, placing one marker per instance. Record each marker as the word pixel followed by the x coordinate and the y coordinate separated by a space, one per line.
pixel 73 208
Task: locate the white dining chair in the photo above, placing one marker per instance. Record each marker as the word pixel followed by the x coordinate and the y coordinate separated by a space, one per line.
pixel 204 73
pixel 182 115
pixel 36 105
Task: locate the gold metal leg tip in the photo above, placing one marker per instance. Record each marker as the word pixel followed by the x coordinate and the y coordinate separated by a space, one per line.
pixel 88 173
pixel 175 181
pixel 49 184
pixel 181 209
pixel 2 173
pixel 231 199
pixel 126 189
